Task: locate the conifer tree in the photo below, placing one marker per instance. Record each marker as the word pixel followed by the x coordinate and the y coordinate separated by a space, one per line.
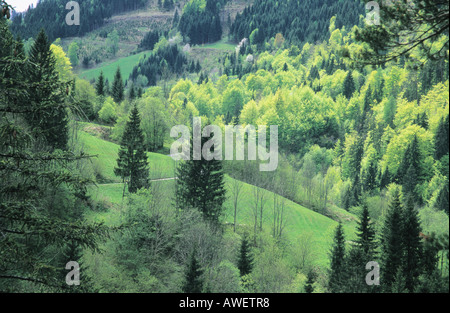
pixel 366 233
pixel 311 278
pixel 442 202
pixel 100 85
pixel 201 185
pixel 118 88
pixel 392 241
pixel 409 171
pixel 337 264
pixel 48 116
pixel 441 139
pixel 245 261
pixel 193 276
pixel 132 164
pixel 411 244
pixel 349 85
pixel 32 179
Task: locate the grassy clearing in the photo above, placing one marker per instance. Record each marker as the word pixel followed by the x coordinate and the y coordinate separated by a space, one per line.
pixel 160 166
pixel 219 45
pixel 109 69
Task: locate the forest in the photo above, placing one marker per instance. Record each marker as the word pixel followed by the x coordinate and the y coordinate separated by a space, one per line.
pixel 363 174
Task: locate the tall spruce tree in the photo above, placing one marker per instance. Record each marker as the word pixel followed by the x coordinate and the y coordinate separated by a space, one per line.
pixel 100 85
pixel 118 88
pixel 441 139
pixel 392 241
pixel 442 202
pixel 48 116
pixel 409 173
pixel 33 178
pixel 245 260
pixel 311 278
pixel 193 276
pixel 349 85
pixel 336 280
pixel 411 244
pixel 201 185
pixel 132 164
pixel 366 233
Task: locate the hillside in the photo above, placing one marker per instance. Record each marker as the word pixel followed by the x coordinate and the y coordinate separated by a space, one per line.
pixel 338 160
pixel 299 220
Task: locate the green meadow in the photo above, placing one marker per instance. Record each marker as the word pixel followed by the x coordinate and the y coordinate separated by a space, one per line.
pixel 109 68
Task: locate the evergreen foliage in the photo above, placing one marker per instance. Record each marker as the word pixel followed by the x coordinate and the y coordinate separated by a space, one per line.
pixel 245 260
pixel 132 164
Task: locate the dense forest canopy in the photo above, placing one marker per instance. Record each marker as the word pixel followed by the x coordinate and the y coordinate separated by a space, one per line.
pixel 298 21
pixel 47 15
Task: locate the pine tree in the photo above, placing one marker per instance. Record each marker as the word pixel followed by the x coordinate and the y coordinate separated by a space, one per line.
pixel 73 252
pixel 411 244
pixel 349 85
pixel 132 164
pixel 132 92
pixel 34 223
pixel 193 275
pixel 392 241
pixel 337 265
pixel 409 183
pixel 100 85
pixel 409 171
pixel 442 202
pixel 48 117
pixel 245 261
pixel 311 278
pixel 118 88
pixel 366 233
pixel 200 185
pixel 441 139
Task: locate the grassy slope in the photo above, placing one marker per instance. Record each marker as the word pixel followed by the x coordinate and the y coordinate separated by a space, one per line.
pixel 109 68
pixel 300 220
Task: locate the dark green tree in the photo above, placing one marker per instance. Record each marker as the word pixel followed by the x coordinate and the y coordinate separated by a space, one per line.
pixel 409 173
pixel 441 139
pixel 336 278
pixel 412 246
pixel 193 276
pixel 442 200
pixel 132 164
pixel 201 185
pixel 392 241
pixel 39 188
pixel 245 260
pixel 349 85
pixel 118 88
pixel 48 116
pixel 100 85
pixel 311 279
pixel 366 233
